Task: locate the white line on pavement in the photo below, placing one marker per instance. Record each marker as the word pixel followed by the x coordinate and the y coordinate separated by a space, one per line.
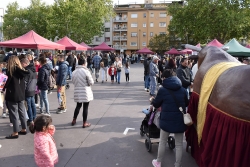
pixel 126 130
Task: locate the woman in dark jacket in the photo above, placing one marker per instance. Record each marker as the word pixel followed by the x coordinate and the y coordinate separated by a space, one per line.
pixel 43 84
pixel 171 118
pixel 15 96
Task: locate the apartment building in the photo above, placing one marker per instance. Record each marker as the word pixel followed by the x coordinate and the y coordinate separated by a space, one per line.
pixel 135 24
pixel 107 35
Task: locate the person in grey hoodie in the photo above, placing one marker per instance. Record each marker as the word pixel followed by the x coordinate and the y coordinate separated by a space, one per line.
pixel 153 74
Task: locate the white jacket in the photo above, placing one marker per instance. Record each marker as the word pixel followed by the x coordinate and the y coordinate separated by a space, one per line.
pixel 82 80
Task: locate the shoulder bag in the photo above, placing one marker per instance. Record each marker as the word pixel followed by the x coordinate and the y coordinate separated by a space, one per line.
pixel 186 116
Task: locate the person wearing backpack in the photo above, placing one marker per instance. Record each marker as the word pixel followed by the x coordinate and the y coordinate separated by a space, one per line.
pixel 43 84
pixel 146 73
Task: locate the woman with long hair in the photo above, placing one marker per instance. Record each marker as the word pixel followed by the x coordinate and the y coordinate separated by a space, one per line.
pixel 15 95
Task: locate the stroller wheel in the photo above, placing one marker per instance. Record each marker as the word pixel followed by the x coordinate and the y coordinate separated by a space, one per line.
pixel 171 142
pixel 148 144
pixel 142 133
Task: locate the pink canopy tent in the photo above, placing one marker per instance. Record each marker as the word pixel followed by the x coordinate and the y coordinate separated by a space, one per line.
pixel 248 46
pixel 103 47
pixel 70 44
pixel 85 45
pixel 215 42
pixel 31 40
pixel 145 51
pixel 173 51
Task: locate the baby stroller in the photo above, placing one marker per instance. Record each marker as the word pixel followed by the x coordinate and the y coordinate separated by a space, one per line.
pixel 152 131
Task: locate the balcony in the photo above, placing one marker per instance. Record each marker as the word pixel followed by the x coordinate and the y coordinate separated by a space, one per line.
pixel 120 19
pixel 119 47
pixel 119 38
pixel 120 29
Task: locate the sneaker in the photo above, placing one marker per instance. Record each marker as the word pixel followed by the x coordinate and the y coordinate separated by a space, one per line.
pixel 128 80
pixel 102 81
pixel 155 163
pixel 11 125
pixel 37 105
pixel 47 114
pixel 4 115
pixel 59 112
pixel 145 89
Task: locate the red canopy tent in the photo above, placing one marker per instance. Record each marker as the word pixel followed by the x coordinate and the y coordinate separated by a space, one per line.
pixel 145 51
pixel 31 40
pixel 173 51
pixel 215 42
pixel 103 47
pixel 70 44
pixel 84 44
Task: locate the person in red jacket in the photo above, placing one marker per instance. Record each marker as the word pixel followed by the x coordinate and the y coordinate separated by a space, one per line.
pixel 112 73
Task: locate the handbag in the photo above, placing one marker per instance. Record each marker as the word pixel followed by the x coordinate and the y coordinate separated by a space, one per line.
pixel 186 116
pixel 157 119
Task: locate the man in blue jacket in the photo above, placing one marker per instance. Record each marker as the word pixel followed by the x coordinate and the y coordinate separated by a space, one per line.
pixel 61 82
pixel 153 74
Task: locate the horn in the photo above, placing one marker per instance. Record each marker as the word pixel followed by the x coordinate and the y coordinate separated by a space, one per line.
pixel 195 48
pixel 225 48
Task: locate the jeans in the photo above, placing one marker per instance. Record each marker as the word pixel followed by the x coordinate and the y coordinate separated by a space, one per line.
pixel 85 110
pixel 70 72
pixel 178 147
pixel 118 77
pixel 90 67
pixel 44 100
pixel 153 84
pixel 31 108
pixel 97 73
pixel 147 82
pixel 17 109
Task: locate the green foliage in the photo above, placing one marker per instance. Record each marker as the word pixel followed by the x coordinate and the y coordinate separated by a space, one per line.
pixel 80 20
pixel 159 43
pixel 200 21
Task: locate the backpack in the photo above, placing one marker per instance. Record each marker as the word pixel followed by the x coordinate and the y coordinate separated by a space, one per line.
pixel 52 81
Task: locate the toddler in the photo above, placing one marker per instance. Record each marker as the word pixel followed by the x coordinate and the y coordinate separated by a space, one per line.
pixel 112 72
pixel 127 69
pixel 45 151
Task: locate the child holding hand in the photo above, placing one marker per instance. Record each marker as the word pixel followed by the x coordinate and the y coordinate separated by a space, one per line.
pixel 112 73
pixel 44 144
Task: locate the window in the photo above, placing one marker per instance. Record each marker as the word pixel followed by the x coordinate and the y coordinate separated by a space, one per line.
pixel 151 34
pixel 133 44
pixel 151 24
pixel 107 29
pixel 144 44
pixel 151 14
pixel 133 24
pixel 97 39
pixel 162 24
pixel 171 17
pixel 143 34
pixel 161 33
pixel 144 15
pixel 107 39
pixel 133 34
pixel 133 15
pixel 163 14
pixel 144 25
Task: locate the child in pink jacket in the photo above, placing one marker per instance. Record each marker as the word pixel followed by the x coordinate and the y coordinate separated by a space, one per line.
pixel 44 144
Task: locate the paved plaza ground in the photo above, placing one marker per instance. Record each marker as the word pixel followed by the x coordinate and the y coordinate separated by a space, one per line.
pixel 115 108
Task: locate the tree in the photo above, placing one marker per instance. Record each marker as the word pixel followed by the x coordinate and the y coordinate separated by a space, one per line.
pixel 200 21
pixel 159 43
pixel 80 20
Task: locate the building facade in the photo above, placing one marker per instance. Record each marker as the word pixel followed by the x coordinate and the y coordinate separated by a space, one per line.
pixel 135 24
pixel 106 37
